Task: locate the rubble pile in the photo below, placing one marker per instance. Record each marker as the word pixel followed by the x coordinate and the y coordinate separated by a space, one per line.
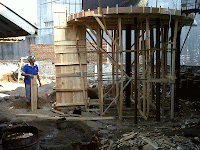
pixel 150 141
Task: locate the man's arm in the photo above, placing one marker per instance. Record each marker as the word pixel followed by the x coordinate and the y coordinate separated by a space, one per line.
pixel 24 74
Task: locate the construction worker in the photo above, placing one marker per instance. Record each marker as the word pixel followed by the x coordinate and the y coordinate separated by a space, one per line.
pixel 29 71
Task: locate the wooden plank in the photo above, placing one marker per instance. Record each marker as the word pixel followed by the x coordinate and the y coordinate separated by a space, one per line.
pixel 57 111
pixel 70 69
pixel 71 58
pixel 67 49
pixel 70 43
pixel 65 64
pixel 34 93
pixel 101 11
pixel 68 90
pixel 69 104
pixel 77 74
pixel 26 115
pixel 77 118
pixel 68 118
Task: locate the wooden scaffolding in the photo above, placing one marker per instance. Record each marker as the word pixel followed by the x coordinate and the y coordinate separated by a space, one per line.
pixel 148 73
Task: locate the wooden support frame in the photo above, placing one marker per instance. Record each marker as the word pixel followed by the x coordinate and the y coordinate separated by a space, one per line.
pixel 144 51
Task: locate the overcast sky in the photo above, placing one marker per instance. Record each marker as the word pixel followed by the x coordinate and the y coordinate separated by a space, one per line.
pixel 25 8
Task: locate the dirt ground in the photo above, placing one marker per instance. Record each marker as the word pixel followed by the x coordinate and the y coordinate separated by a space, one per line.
pixel 181 132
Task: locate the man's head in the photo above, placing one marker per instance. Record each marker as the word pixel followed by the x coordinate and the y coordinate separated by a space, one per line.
pixel 31 59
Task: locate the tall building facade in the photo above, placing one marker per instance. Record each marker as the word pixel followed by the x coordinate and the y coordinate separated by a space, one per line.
pixel 45 17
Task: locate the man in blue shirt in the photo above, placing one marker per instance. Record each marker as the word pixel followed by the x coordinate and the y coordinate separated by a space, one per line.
pixel 29 71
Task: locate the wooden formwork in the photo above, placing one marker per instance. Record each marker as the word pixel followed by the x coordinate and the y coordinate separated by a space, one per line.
pixel 70 64
pixel 153 47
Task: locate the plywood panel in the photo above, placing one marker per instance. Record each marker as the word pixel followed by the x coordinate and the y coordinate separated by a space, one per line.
pixel 64 97
pixel 70 58
pixel 78 97
pixel 59 35
pixel 70 69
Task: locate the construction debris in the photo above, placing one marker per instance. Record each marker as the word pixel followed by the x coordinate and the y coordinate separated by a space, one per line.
pixel 149 141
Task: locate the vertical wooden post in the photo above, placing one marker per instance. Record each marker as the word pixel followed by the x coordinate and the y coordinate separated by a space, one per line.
pixel 157 69
pixel 177 71
pixel 117 70
pixel 173 67
pixel 121 60
pixel 144 71
pixel 164 66
pixel 113 66
pixel 34 93
pixel 99 69
pixel 135 69
pixel 128 63
pixel 148 65
pixel 152 61
pixel 138 69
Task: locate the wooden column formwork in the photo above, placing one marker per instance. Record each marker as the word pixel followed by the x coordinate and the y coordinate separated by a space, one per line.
pixel 149 76
pixel 70 64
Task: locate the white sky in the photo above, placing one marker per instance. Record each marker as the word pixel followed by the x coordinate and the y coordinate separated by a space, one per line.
pixel 25 8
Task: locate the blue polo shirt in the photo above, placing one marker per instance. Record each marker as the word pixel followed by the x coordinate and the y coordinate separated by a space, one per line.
pixel 29 70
